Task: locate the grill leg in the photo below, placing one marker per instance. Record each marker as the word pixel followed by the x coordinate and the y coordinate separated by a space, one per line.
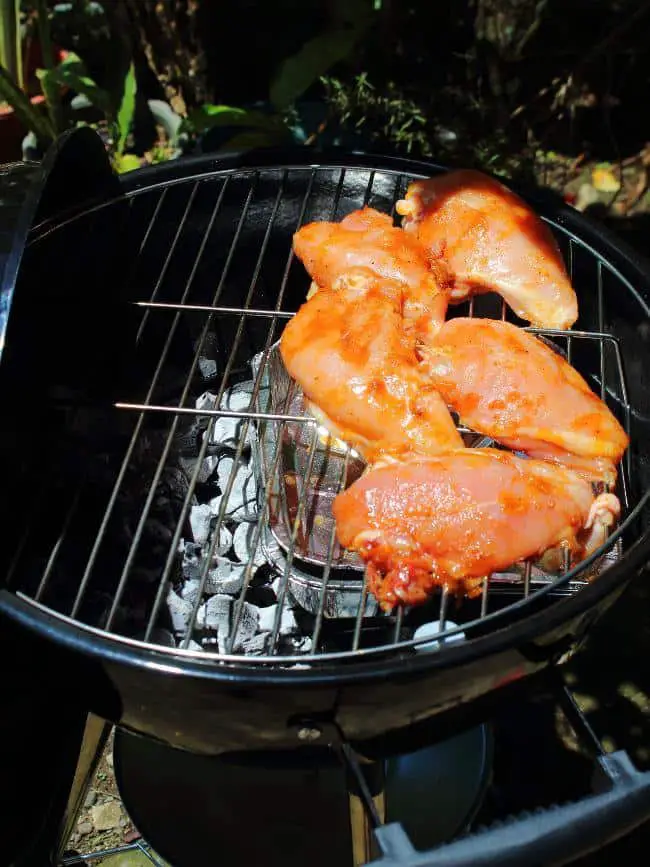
pixel 94 739
pixel 41 733
pixel 39 746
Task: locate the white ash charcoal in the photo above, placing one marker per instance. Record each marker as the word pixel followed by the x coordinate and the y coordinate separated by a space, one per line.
pixel 243 544
pixel 200 517
pixel 190 591
pixel 238 398
pixel 248 625
pixel 207 400
pixel 208 367
pixel 227 578
pixel 191 566
pixel 225 430
pixel 277 583
pixel 256 645
pixel 242 502
pixel 193 645
pixel 224 470
pixel 288 623
pixel 201 521
pixel 215 614
pixel 180 611
pixel 225 542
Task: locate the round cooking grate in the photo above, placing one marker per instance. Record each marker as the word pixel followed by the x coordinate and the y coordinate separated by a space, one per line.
pixel 183 520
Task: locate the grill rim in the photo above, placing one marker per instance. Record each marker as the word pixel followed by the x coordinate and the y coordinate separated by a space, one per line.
pixel 78 636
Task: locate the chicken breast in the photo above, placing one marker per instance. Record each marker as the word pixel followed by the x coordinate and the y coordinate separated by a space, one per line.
pixel 355 362
pixel 506 383
pixel 453 519
pixel 367 242
pixel 491 241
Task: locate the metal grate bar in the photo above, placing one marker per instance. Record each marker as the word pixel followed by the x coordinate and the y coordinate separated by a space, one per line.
pixel 368 193
pixel 284 582
pixel 484 596
pixel 140 421
pixel 444 605
pixel 218 311
pixel 57 546
pixel 207 435
pixel 263 515
pixel 363 600
pixel 243 435
pixel 214 413
pixel 601 325
pixel 170 252
pixel 257 535
pixel 240 446
pixel 528 568
pixel 328 565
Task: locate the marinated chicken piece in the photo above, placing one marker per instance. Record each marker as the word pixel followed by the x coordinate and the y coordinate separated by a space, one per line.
pixel 504 382
pixel 491 241
pixel 367 242
pixel 358 369
pixel 451 520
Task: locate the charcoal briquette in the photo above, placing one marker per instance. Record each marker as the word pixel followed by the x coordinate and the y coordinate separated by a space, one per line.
pixel 180 611
pixel 226 577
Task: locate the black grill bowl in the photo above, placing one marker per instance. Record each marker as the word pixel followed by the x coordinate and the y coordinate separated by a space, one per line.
pixel 167 236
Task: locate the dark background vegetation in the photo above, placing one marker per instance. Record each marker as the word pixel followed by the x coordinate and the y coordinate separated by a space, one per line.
pixel 482 80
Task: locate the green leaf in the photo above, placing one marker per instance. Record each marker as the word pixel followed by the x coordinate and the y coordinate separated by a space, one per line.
pixel 299 72
pixel 72 73
pixel 28 114
pixel 209 116
pixel 11 54
pixel 126 162
pixel 126 110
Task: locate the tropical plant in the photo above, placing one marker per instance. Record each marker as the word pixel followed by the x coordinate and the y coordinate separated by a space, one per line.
pixel 275 122
pixel 47 122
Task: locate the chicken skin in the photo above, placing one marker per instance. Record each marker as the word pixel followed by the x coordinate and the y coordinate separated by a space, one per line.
pixel 366 242
pixel 451 520
pixel 505 383
pixel 491 241
pixel 357 367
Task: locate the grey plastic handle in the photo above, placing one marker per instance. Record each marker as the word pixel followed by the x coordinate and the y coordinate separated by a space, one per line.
pixel 553 836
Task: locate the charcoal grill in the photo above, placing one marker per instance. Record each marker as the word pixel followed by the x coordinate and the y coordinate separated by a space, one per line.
pixel 140 320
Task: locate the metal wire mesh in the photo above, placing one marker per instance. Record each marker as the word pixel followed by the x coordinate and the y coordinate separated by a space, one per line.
pixel 291 530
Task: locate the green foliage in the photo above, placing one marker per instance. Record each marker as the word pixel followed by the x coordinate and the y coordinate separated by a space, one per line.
pixel 299 72
pixel 208 117
pixel 126 110
pixel 29 115
pixel 319 54
pixel 71 73
pixel 387 115
pixel 10 42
